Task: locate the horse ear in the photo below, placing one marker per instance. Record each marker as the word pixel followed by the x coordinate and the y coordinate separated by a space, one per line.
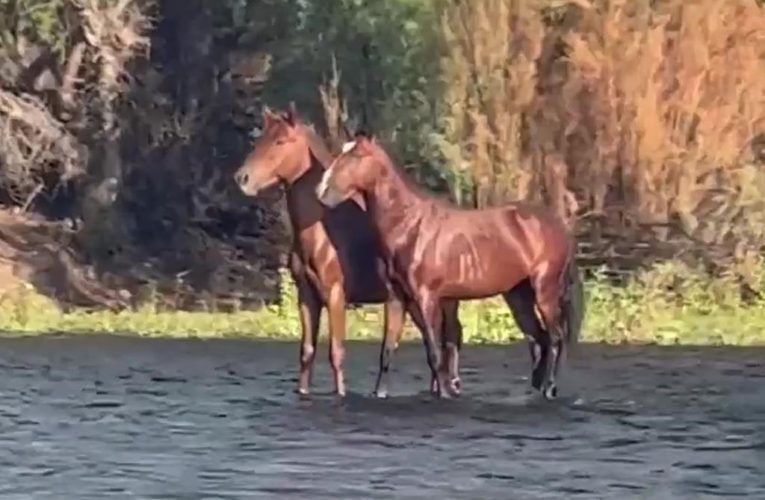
pixel 364 139
pixel 268 117
pixel 291 116
pixel 360 138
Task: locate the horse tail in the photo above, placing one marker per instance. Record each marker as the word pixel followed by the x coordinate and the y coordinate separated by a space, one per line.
pixel 572 301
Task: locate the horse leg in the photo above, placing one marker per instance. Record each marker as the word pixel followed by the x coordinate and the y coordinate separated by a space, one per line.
pixel 522 303
pixel 309 307
pixel 336 310
pixel 547 288
pixel 452 342
pixel 419 322
pixel 394 326
pixel 432 314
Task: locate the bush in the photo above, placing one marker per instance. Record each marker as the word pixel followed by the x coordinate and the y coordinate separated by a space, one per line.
pixel 668 304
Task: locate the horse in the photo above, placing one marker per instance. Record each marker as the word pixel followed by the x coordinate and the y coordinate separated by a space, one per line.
pixel 437 251
pixel 335 258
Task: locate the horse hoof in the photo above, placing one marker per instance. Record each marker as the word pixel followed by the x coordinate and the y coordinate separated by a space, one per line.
pixel 434 387
pixel 447 389
pixel 457 384
pixel 454 387
pixel 380 394
pixel 550 392
pixel 302 392
pixel 444 394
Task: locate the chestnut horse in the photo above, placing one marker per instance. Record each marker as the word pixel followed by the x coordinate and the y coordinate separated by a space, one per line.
pixel 438 252
pixel 335 257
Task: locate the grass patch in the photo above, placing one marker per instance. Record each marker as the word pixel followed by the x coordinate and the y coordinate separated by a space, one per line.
pixel 668 304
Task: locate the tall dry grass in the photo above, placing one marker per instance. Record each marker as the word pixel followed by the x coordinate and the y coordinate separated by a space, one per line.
pixel 664 101
pixel 490 72
pixel 653 110
pixel 662 104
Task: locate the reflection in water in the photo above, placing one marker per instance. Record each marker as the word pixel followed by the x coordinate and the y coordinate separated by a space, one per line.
pixel 95 418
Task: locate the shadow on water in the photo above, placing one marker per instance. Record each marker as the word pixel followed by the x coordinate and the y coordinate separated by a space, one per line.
pixel 100 417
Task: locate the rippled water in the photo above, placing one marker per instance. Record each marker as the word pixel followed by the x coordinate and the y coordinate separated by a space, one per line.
pixel 96 417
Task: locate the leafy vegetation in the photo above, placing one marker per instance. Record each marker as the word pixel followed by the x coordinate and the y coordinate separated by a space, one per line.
pixel 667 305
pixel 123 121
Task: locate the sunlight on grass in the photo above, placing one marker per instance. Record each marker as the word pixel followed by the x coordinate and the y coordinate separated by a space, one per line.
pixel 669 304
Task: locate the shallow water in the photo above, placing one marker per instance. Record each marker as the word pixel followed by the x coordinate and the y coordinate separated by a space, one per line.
pixel 102 417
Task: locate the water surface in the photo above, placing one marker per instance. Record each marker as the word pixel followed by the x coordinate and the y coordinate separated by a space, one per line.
pixel 105 417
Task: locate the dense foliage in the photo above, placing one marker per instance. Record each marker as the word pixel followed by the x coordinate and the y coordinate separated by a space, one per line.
pixel 129 116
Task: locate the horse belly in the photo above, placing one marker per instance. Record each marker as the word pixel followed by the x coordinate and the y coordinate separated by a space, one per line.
pixel 364 283
pixel 354 242
pixel 482 282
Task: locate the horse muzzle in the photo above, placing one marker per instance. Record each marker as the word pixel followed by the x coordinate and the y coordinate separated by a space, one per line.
pixel 242 180
pixel 247 184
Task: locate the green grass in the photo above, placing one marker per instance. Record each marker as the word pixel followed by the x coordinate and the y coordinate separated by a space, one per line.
pixel 669 304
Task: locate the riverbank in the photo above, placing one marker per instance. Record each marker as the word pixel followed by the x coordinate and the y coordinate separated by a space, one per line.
pixel 669 304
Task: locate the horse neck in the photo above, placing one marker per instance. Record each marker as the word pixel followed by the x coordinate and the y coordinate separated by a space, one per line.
pixel 303 205
pixel 395 206
pixel 318 150
pixel 304 186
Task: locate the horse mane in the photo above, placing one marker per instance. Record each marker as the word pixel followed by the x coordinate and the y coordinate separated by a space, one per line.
pixel 420 192
pixel 316 144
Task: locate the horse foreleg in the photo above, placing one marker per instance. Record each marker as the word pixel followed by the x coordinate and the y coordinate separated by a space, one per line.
pixel 309 307
pixel 336 310
pixel 416 315
pixel 419 322
pixel 432 315
pixel 394 326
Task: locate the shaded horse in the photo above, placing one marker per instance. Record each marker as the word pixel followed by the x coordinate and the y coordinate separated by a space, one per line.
pixel 335 256
pixel 438 252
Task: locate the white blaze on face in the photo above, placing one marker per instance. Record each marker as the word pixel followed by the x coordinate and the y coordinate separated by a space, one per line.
pixel 321 189
pixel 348 146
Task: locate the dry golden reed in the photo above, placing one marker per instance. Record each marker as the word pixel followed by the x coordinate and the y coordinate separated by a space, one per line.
pixel 653 110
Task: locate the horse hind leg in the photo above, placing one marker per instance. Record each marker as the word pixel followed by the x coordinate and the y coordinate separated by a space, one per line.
pixel 522 303
pixel 393 328
pixel 548 292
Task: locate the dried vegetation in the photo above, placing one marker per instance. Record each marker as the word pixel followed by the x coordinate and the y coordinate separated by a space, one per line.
pixel 651 115
pixel 642 123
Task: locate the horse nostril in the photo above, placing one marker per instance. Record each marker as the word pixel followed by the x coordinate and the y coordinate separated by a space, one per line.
pixel 242 179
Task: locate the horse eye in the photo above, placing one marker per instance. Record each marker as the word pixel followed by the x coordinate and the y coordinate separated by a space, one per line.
pixel 281 142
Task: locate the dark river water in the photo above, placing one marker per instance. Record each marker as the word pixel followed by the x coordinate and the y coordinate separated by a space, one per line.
pixel 101 417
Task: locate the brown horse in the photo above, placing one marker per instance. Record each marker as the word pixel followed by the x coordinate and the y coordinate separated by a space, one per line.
pixel 439 252
pixel 335 258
